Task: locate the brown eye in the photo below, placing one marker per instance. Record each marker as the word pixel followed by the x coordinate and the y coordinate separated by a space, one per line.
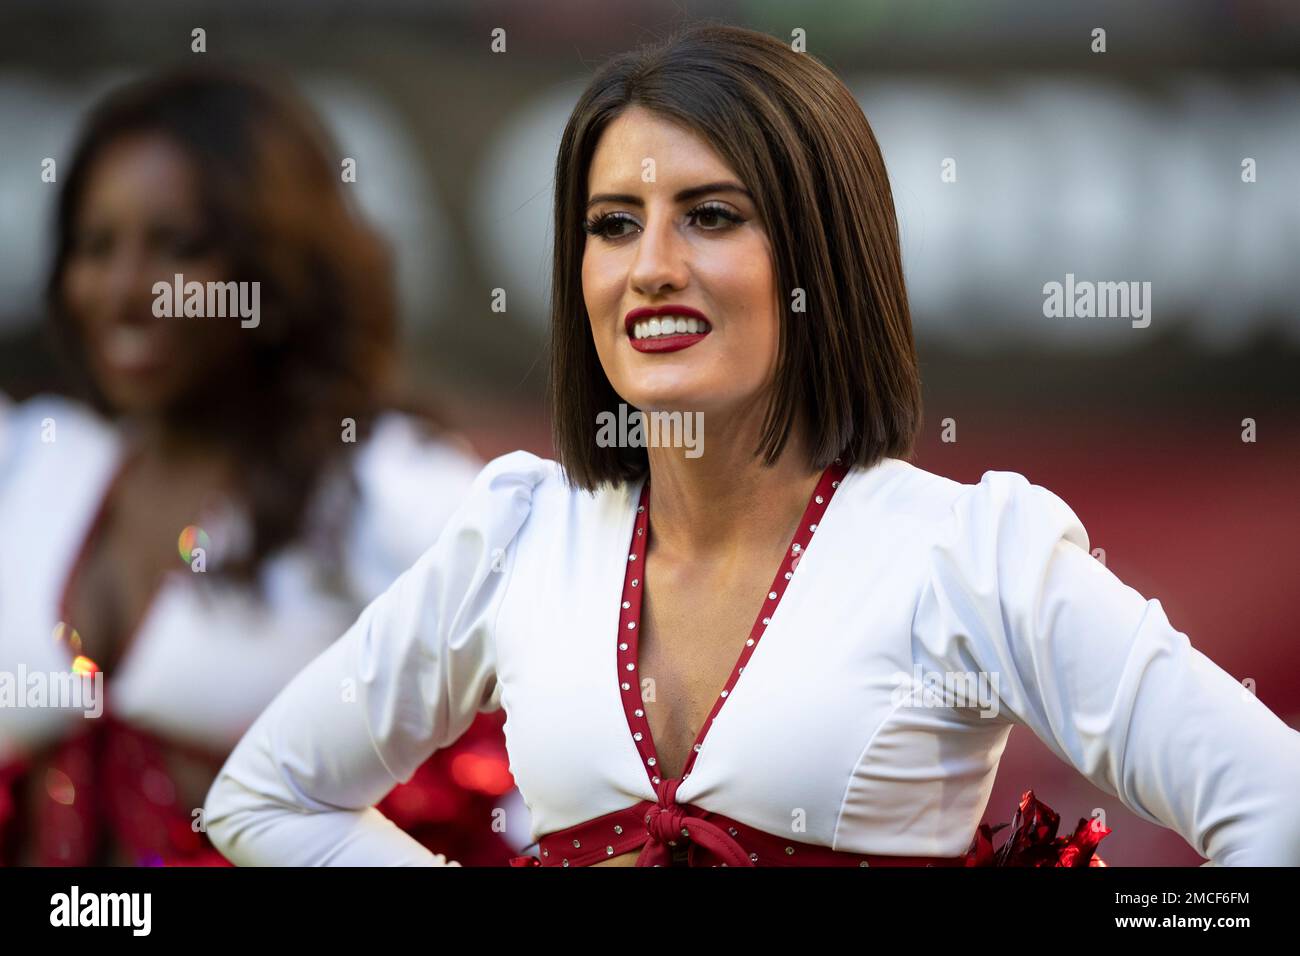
pixel 609 226
pixel 714 217
pixel 180 244
pixel 92 243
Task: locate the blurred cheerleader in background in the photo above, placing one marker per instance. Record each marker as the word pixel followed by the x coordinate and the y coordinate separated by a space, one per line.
pixel 230 495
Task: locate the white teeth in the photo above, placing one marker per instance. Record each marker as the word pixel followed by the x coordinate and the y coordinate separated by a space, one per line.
pixel 668 325
pixel 129 346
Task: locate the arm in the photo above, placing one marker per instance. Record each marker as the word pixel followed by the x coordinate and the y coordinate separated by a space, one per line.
pixel 1101 676
pixel 406 679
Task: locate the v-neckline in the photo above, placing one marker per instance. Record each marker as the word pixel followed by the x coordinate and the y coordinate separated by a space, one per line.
pixel 629 621
pixel 91 534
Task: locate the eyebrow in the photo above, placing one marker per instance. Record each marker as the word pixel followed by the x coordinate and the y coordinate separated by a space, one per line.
pixel 684 196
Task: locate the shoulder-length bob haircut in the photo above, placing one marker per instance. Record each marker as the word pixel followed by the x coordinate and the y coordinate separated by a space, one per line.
pixel 846 363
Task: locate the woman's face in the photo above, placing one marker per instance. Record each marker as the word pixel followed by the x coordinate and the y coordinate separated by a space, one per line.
pixel 689 239
pixel 140 222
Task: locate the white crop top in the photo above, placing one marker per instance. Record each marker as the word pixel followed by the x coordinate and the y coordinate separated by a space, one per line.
pixel 908 573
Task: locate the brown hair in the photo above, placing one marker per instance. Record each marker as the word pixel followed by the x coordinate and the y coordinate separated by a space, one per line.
pixel 797 138
pixel 272 197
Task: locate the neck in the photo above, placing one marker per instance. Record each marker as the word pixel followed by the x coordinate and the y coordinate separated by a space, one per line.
pixel 168 447
pixel 728 498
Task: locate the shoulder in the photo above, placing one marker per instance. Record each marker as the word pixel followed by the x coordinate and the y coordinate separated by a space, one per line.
pixel 496 499
pixel 1001 532
pixel 1005 511
pixel 530 500
pixel 411 483
pixel 520 476
pixel 1000 504
pixel 999 540
pixel 52 437
pixel 527 491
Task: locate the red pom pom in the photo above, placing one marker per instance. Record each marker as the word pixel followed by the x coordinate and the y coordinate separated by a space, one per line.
pixel 1032 840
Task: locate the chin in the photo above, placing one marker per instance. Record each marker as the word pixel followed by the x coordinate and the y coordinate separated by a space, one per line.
pixel 135 395
pixel 667 399
pixel 666 389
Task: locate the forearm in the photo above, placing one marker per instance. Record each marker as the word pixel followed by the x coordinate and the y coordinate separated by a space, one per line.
pixel 300 787
pixel 251 831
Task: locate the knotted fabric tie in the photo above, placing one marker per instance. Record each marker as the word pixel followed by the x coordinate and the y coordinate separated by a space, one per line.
pixel 669 821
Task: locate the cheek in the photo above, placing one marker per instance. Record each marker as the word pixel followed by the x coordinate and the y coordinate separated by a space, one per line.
pixel 80 280
pixel 599 285
pixel 602 288
pixel 213 269
pixel 746 278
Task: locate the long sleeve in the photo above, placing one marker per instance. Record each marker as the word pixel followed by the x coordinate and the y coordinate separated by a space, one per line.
pixel 1103 679
pixel 405 680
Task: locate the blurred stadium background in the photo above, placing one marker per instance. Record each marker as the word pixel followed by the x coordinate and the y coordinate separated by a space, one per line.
pixel 1116 166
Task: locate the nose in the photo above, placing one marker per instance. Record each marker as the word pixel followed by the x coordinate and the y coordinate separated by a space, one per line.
pixel 661 264
pixel 129 277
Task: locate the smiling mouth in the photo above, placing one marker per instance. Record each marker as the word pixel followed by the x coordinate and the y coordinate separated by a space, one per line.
pixel 668 325
pixel 129 349
pixel 667 328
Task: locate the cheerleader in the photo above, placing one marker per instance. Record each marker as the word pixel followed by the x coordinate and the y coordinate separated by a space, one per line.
pixel 709 655
pixel 229 495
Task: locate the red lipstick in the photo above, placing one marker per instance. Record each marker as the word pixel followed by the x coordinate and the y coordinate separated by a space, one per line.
pixel 672 342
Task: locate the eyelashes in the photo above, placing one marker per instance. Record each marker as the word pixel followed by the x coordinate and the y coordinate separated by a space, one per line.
pixel 605 224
